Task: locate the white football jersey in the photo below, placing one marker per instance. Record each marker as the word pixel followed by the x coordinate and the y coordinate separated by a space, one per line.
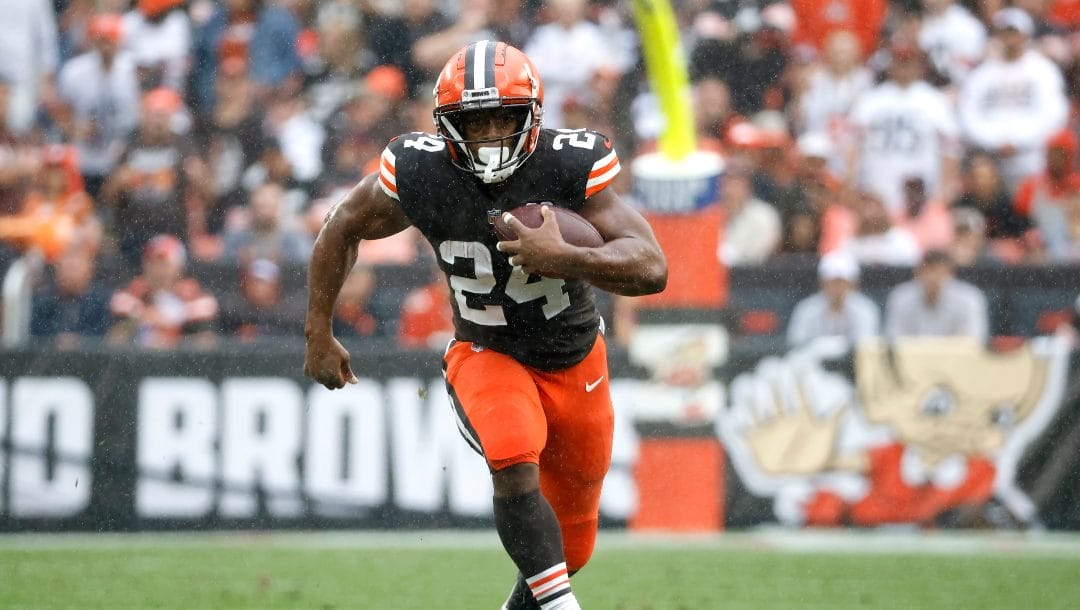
pixel 902 133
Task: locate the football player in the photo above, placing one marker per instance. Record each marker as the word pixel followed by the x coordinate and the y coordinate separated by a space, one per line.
pixel 527 370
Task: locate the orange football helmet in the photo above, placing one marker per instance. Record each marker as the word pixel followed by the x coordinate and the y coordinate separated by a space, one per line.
pixel 483 76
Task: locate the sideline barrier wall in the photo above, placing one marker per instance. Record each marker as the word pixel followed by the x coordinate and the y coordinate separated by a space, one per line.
pixel 127 440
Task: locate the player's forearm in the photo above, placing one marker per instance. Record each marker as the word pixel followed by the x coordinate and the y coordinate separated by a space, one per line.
pixel 331 260
pixel 625 266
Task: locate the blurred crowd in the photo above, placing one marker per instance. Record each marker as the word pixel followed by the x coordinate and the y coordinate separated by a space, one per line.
pixel 144 136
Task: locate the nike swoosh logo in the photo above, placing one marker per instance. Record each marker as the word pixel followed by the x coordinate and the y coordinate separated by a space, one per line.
pixel 589 387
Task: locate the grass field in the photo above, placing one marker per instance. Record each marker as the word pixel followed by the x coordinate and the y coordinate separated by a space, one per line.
pixel 451 570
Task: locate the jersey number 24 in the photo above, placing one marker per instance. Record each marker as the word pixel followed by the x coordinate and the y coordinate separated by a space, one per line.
pixel 518 287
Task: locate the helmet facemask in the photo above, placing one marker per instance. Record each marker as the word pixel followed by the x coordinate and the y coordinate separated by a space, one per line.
pixel 495 158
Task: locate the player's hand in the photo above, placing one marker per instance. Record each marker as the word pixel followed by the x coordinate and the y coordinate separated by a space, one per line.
pixel 538 250
pixel 327 362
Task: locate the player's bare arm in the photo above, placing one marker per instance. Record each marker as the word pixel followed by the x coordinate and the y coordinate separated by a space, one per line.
pixel 365 213
pixel 630 262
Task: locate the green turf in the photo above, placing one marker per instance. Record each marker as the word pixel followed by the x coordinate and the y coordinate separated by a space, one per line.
pixel 258 573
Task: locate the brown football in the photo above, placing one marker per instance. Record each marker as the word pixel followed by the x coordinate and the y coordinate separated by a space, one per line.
pixel 574 228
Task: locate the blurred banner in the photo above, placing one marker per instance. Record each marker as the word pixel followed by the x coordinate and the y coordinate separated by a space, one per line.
pixel 931 433
pixel 158 440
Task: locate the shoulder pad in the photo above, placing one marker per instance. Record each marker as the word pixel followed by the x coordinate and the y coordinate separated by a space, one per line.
pixel 408 144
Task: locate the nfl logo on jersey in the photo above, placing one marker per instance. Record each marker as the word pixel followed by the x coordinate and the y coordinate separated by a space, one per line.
pixel 492 214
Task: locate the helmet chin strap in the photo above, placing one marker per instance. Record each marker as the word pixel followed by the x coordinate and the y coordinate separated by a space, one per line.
pixel 492 157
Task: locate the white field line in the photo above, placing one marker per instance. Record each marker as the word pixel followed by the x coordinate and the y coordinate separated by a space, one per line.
pixel 780 540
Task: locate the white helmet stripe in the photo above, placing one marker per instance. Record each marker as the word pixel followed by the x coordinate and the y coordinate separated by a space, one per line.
pixel 479 71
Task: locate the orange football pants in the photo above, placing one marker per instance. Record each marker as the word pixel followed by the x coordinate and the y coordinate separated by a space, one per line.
pixel 560 420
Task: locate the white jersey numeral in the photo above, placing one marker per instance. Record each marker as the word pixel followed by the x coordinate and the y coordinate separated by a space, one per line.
pixel 550 289
pixel 425 143
pixel 517 286
pixel 574 137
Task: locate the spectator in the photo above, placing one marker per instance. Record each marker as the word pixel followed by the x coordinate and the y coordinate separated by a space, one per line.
pixel 837 309
pixel 511 22
pixel 267 233
pixel 903 129
pixel 1044 198
pixel 805 205
pixel 160 308
pixel 18 158
pixel 231 139
pixel 568 51
pixel 273 166
pixel 258 310
pixel 764 143
pixel 341 63
pixel 423 20
pixel 952 38
pixel 29 58
pixel 100 94
pixel 1049 37
pixel 71 308
pixel 801 231
pixel 352 312
pixel 157 34
pixel 928 220
pixel 259 32
pixel 877 241
pixel 985 191
pixel 56 212
pixel 300 137
pixel 349 158
pixel 762 59
pixel 72 17
pixel 752 230
pixel 148 192
pixel 1010 105
pixel 830 90
pixel 435 37
pixel 936 304
pixel 713 113
pixel 970 246
pixel 370 116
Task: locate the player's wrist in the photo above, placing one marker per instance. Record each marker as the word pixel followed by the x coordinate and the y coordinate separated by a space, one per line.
pixel 315 330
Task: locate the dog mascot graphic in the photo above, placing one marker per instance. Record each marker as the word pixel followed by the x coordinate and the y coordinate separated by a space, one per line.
pixel 931 427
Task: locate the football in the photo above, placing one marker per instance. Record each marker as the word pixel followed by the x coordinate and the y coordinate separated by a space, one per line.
pixel 574 228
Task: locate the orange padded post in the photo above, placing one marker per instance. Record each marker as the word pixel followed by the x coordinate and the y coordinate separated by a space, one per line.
pixel 680 485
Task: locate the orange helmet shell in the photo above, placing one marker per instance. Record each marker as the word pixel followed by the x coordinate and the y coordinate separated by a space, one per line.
pixel 485 71
pixel 487 75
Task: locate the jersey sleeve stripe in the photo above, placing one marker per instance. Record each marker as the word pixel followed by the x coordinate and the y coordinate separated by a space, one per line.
pixel 388 173
pixel 603 165
pixel 389 161
pixel 595 185
pixel 387 187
